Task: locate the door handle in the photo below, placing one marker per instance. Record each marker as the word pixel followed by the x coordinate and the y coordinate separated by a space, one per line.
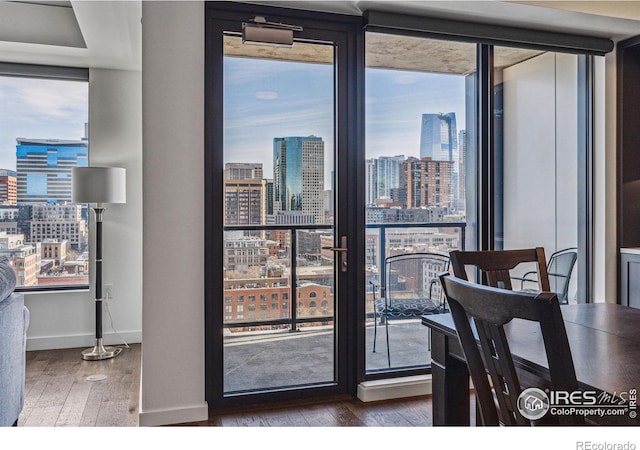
pixel 343 252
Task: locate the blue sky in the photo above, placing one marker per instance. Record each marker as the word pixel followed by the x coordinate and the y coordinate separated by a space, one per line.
pixel 263 99
pixel 266 99
pixel 39 109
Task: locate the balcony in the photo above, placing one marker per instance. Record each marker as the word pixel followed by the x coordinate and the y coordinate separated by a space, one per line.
pixel 271 342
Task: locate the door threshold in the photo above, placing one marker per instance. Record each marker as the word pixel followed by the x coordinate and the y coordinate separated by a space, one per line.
pixel 375 390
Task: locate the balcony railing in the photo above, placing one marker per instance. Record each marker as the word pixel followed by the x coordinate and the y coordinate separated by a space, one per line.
pixel 407 235
pixel 441 248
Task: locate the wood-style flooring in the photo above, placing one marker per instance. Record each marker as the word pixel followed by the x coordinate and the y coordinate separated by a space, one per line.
pixel 59 392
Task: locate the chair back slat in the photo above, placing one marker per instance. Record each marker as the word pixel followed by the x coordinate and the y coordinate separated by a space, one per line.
pixel 495 265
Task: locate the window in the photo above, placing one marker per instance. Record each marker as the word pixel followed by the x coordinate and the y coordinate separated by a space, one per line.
pixel 43 134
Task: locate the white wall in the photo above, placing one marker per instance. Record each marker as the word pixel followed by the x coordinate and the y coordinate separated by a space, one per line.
pixel 540 154
pixel 172 385
pixel 67 319
pixel 536 148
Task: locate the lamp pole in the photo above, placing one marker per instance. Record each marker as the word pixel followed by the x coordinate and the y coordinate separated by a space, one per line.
pixel 99 351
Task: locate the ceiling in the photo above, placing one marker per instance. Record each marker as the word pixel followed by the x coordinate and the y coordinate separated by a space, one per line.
pixel 102 34
pixel 108 34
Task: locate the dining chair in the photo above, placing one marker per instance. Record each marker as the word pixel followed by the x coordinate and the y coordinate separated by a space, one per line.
pixel 480 314
pixel 559 269
pixel 496 265
pixel 411 288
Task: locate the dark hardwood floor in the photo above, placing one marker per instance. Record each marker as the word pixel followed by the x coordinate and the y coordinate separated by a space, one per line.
pixel 341 411
pixel 59 392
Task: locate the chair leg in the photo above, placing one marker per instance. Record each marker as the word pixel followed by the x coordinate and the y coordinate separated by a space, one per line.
pixel 386 326
pixel 375 328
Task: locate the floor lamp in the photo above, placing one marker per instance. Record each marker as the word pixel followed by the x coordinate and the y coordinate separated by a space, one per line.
pixel 97 186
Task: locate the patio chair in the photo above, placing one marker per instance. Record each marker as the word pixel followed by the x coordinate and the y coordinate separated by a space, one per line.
pixel 411 289
pixel 496 265
pixel 559 270
pixel 480 314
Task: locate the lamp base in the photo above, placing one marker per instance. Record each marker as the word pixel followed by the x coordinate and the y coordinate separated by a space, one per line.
pixel 100 352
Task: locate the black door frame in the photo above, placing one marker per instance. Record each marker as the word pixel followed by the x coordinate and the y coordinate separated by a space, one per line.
pixel 346 33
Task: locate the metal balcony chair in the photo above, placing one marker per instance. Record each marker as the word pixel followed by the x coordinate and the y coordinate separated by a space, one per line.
pixel 495 266
pixel 480 314
pixel 559 270
pixel 410 290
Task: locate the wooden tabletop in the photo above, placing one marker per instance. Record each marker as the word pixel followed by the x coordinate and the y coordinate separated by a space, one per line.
pixel 604 340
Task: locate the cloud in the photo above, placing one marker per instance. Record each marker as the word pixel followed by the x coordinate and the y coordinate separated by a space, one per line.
pixel 266 95
pixel 406 79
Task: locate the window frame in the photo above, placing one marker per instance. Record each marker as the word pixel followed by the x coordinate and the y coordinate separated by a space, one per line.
pixel 60 73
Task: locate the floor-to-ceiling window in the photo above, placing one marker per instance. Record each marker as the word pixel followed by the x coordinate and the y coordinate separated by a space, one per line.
pixel 432 136
pixel 419 119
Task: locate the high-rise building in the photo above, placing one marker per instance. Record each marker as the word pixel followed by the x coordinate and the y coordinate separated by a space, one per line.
pixel 248 196
pixel 429 182
pixel 438 137
pixel 383 176
pixel 439 141
pixel 298 175
pixel 387 175
pixel 245 202
pixel 371 180
pixel 8 187
pixel 242 171
pixel 44 168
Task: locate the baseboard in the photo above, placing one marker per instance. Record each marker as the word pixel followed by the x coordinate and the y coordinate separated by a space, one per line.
pixel 81 340
pixel 173 416
pixel 370 391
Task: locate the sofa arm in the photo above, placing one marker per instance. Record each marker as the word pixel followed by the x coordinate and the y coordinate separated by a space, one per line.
pixel 14 321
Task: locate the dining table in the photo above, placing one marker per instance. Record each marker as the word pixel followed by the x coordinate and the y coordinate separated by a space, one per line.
pixel 604 339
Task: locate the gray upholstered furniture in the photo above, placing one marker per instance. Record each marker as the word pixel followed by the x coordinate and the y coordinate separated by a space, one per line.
pixel 14 320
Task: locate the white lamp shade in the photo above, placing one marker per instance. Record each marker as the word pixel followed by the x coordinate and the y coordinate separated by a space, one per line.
pixel 99 185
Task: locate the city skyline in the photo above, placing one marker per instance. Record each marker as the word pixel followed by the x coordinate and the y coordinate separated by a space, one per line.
pixel 266 99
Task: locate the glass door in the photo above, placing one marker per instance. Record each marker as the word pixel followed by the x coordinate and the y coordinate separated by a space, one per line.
pixel 279 287
pixel 277 318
